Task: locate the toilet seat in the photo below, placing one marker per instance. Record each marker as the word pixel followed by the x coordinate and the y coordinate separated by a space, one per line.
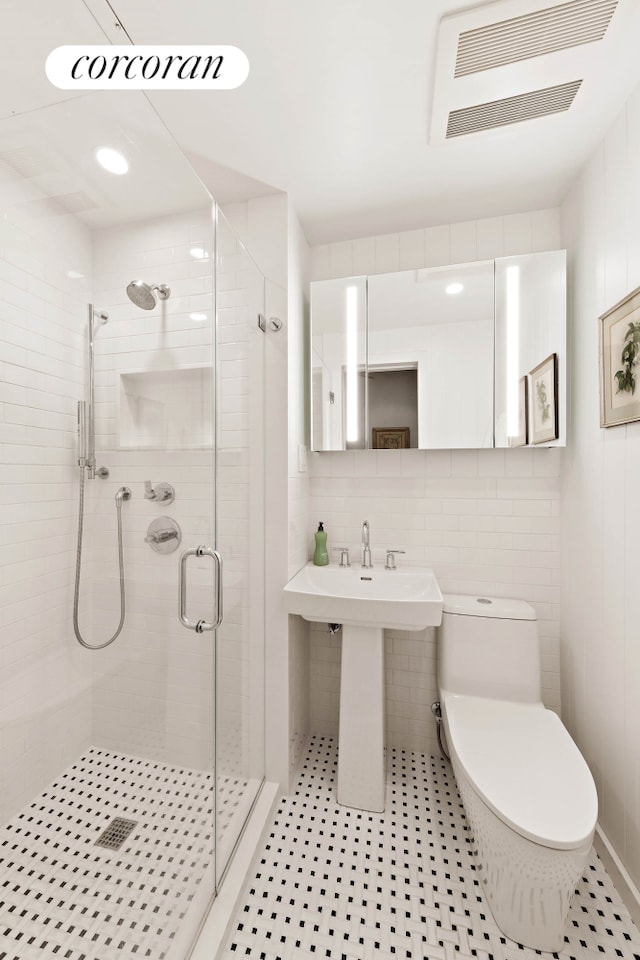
pixel 523 764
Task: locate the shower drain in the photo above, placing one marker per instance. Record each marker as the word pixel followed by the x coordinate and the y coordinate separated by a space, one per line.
pixel 116 833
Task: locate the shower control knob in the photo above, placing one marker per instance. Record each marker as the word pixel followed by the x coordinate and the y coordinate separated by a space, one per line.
pixel 163 535
pixel 161 493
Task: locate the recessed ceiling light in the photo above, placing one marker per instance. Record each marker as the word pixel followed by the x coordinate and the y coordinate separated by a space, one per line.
pixel 111 160
pixel 74 275
pixel 198 253
pixel 453 288
pixel 198 316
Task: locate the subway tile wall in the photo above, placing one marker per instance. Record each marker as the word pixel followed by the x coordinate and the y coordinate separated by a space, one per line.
pixel 45 680
pixel 154 685
pixel 486 521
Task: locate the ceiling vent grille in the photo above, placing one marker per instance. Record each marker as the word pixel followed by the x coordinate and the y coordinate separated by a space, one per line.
pixel 24 163
pixel 533 35
pixel 501 113
pixel 59 206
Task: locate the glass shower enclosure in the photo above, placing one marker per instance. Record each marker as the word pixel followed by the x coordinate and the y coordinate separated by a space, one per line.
pixel 131 734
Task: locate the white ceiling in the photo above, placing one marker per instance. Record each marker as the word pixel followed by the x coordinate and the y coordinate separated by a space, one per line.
pixel 336 111
pixel 337 106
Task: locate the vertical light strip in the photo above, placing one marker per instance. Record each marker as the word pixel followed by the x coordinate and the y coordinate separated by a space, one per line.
pixel 352 364
pixel 513 349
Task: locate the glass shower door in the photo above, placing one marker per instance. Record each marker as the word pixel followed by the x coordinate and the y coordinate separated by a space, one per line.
pixel 239 695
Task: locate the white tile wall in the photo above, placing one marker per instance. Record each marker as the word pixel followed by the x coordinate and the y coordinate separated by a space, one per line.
pixel 531 232
pixel 487 521
pixel 154 685
pixel 45 685
pixel 601 515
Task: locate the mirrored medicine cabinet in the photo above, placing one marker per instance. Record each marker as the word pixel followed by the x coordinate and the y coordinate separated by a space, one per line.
pixel 468 355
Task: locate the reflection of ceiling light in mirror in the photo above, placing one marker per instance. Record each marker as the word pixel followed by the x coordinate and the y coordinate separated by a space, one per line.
pixel 74 275
pixel 198 253
pixel 353 426
pixel 111 160
pixel 513 349
pixel 198 316
pixel 453 288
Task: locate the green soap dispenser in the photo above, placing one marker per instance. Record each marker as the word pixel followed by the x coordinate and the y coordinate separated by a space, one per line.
pixel 320 555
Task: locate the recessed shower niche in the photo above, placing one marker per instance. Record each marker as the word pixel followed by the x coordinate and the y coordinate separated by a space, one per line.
pixel 166 409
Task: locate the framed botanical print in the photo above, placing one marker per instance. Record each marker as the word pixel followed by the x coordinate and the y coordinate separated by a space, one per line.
pixel 543 401
pixel 619 356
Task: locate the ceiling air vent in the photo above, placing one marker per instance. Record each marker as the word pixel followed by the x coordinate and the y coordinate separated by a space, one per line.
pixel 533 35
pixel 501 113
pixel 25 163
pixel 59 206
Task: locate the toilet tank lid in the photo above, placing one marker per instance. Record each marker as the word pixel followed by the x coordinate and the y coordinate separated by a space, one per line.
pixel 496 607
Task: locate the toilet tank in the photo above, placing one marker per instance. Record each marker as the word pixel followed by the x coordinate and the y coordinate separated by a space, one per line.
pixel 489 647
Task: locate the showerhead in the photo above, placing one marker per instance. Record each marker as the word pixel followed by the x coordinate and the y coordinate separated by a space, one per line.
pixel 143 295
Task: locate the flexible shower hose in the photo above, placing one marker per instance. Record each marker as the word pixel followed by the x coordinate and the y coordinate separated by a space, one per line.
pixel 123 494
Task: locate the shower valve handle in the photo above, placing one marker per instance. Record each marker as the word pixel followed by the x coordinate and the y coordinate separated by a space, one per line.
pixel 161 493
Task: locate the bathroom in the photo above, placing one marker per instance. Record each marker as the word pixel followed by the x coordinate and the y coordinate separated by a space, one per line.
pixel 557 528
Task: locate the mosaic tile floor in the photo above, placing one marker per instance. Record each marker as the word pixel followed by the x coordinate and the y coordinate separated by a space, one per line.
pixel 348 885
pixel 61 896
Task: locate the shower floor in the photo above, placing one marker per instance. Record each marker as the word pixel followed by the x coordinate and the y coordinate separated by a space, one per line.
pixel 347 885
pixel 62 896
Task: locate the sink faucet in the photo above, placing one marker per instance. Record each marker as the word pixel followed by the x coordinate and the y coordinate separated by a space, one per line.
pixel 366 548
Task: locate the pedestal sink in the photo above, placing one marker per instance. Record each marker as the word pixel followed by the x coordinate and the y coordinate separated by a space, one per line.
pixel 366 602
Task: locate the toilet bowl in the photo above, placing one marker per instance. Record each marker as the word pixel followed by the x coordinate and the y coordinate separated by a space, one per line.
pixel 528 794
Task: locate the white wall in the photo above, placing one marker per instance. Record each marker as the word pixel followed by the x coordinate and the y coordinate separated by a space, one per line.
pixel 601 508
pixel 45 691
pixel 487 521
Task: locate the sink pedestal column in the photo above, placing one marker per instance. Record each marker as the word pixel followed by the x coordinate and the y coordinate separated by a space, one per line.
pixel 361 737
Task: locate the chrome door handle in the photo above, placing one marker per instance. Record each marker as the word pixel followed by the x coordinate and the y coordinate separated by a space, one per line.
pixel 201 625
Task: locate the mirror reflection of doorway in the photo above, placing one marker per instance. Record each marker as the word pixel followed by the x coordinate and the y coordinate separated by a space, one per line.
pixel 392 407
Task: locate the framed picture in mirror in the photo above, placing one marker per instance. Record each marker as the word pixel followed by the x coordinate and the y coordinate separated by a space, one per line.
pixel 390 438
pixel 544 400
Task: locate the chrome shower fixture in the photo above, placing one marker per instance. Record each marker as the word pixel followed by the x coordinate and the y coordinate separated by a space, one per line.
pixel 86 408
pixel 144 294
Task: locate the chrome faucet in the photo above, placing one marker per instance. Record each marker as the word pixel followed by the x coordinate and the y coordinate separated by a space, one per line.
pixel 366 548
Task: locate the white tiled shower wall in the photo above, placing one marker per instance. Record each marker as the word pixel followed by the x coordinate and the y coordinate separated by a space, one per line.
pixel 486 521
pixel 153 686
pixel 45 695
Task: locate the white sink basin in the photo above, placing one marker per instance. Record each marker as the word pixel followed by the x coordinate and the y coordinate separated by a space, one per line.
pixel 408 598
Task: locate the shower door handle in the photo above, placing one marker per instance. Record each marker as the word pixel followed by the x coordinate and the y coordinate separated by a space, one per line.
pixel 200 625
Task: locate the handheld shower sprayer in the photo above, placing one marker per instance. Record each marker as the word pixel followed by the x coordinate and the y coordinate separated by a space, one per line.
pixel 87 460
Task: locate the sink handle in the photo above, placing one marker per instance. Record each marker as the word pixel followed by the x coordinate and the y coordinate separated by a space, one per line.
pixel 344 556
pixel 390 563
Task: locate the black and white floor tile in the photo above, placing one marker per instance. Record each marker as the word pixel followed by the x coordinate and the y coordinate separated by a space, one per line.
pixel 61 896
pixel 348 885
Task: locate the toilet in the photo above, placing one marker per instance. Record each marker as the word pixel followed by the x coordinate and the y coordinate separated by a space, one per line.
pixel 528 794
